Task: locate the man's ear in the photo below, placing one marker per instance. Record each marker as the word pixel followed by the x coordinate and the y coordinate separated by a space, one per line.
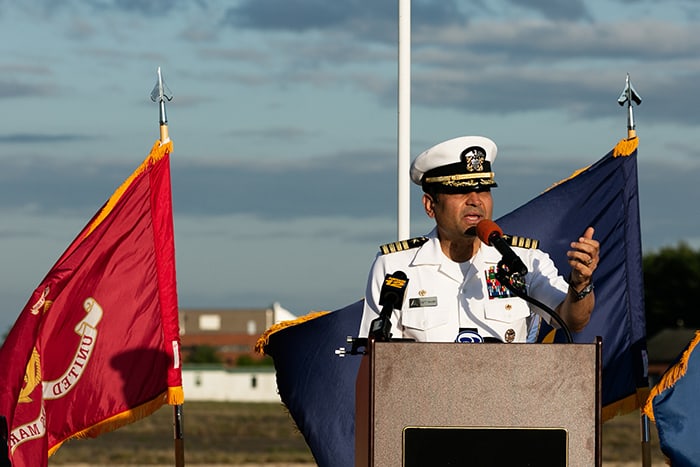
pixel 429 205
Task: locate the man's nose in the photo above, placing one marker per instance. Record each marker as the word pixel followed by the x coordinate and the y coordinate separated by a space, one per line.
pixel 472 199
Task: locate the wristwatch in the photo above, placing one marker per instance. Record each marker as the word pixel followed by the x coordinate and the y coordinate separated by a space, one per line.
pixel 585 291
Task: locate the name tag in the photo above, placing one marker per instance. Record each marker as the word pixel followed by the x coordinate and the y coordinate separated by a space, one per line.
pixel 421 302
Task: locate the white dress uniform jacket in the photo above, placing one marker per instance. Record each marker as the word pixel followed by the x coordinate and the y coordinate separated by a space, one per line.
pixel 443 296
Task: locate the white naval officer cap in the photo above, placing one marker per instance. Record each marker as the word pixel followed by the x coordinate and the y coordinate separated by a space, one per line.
pixel 456 166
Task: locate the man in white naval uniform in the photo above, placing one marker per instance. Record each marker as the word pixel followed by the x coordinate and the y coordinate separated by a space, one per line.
pixel 452 287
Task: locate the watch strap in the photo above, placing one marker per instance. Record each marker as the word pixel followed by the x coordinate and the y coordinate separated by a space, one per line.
pixel 585 291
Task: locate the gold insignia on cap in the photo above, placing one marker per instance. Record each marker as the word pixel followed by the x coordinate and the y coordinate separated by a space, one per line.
pixel 474 157
pixel 462 180
pixel 510 335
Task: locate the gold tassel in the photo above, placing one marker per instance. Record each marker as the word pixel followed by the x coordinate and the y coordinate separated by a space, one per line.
pixel 176 396
pixel 263 340
pixel 625 147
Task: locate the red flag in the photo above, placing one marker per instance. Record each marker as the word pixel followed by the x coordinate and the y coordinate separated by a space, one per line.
pixel 97 345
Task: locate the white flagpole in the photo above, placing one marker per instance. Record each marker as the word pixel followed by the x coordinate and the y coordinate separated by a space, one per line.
pixel 404 120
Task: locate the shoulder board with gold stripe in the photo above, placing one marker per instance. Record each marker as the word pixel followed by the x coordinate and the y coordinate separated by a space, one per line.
pixel 521 242
pixel 403 245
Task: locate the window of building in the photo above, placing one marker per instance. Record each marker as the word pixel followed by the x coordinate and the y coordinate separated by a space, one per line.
pixel 251 327
pixel 209 322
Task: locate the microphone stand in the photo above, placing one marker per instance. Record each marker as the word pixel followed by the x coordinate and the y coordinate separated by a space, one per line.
pixel 380 329
pixel 514 283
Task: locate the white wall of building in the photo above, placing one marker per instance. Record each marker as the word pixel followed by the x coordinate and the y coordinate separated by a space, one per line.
pixel 208 383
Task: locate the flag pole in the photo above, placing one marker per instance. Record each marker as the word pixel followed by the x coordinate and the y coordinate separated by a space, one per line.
pixel 160 94
pixel 629 95
pixel 404 120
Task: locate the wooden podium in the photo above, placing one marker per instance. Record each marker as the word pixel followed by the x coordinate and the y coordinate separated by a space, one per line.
pixel 496 405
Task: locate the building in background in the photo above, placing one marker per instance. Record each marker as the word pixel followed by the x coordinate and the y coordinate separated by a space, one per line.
pixel 231 332
pixel 225 384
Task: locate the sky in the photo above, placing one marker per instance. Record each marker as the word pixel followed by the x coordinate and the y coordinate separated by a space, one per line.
pixel 284 125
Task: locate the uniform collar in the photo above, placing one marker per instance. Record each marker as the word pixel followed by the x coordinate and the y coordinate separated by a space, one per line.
pixel 430 253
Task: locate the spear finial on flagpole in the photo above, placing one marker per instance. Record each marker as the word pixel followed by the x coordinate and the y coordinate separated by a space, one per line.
pixel 160 94
pixel 629 95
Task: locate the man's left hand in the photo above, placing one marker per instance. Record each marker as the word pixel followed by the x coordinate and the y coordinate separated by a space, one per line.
pixel 583 259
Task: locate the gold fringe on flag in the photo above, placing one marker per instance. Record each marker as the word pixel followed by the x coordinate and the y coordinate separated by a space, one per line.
pixel 264 339
pixel 671 376
pixel 623 148
pixel 626 405
pixel 158 151
pixel 117 421
pixel 576 173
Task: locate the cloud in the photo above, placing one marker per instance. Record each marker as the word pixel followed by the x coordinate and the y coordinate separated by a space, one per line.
pixel 353 185
pixel 295 15
pixel 34 138
pixel 499 67
pixel 532 65
pixel 15 89
pixel 304 15
pixel 288 134
pixel 149 8
pixel 320 187
pixel 556 9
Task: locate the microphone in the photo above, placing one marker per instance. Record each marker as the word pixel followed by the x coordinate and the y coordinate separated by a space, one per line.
pixel 491 234
pixel 391 298
pixel 393 290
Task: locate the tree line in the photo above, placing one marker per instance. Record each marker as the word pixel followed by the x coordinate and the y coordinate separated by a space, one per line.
pixel 671 288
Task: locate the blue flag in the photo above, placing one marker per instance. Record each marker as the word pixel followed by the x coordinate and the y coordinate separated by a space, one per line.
pixel 315 384
pixel 604 196
pixel 673 406
pixel 318 386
